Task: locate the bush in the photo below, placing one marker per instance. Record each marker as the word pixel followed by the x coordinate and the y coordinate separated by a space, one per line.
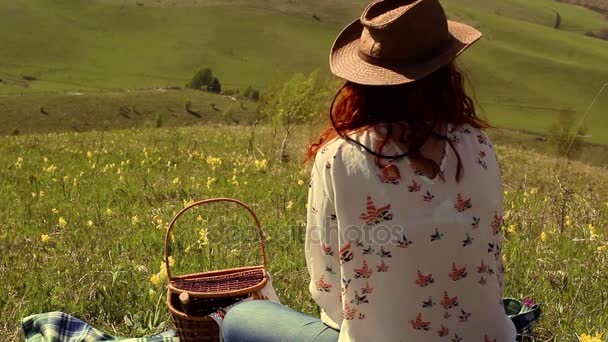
pixel 251 93
pixel 255 95
pixel 601 34
pixel 202 79
pixel 215 86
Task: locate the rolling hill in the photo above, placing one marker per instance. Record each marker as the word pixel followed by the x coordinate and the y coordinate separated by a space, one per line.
pixel 524 71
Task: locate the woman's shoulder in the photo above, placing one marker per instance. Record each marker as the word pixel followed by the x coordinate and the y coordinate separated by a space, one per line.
pixel 469 135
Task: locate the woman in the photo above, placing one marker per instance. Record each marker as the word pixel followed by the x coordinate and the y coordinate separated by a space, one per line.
pixel 405 201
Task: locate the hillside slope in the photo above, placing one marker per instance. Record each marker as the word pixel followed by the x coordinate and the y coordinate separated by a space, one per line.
pixel 524 71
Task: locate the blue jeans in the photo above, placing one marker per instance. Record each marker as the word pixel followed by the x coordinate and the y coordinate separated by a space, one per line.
pixel 266 321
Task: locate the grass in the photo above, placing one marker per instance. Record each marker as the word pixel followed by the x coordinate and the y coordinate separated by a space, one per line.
pixel 84 215
pixel 525 72
pixel 77 112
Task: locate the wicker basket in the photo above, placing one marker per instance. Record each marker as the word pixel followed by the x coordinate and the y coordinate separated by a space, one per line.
pixel 192 297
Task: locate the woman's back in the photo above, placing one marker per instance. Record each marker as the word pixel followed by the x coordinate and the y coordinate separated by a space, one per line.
pixel 396 256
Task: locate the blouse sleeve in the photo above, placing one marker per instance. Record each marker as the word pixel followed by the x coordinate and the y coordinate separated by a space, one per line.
pixel 497 222
pixel 322 249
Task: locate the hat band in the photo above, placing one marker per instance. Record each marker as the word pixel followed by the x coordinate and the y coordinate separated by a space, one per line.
pixel 390 62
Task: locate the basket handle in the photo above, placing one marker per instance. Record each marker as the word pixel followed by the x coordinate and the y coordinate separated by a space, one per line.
pixel 207 201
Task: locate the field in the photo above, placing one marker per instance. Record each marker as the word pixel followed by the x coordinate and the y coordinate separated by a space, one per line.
pixel 100 146
pixel 76 112
pixel 84 215
pixel 525 72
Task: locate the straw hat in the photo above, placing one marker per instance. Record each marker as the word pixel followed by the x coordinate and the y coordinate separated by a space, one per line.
pixel 398 41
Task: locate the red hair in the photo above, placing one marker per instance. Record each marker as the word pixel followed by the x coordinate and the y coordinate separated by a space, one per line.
pixel 422 105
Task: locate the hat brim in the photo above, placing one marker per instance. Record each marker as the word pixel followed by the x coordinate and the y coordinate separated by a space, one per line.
pixel 344 60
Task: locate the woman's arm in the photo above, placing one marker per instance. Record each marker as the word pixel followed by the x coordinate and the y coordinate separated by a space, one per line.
pixel 322 245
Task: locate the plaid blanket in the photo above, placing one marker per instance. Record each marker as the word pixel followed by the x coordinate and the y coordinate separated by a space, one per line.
pixel 61 327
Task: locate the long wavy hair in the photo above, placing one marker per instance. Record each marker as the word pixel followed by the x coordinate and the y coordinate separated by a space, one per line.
pixel 418 108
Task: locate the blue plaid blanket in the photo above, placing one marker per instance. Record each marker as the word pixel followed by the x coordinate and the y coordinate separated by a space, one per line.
pixel 61 327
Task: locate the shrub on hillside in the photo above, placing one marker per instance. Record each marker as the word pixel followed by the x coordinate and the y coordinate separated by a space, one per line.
pixel 600 34
pixel 215 86
pixel 202 79
pixel 251 93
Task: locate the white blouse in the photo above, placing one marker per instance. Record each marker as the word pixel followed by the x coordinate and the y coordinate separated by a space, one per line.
pixel 396 256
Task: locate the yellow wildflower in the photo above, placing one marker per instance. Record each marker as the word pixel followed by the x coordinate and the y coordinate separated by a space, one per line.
pixel 588 338
pixel 55 211
pixel 543 237
pixel 109 212
pixel 592 232
pixel 90 224
pixel 214 161
pixel 41 194
pixel 568 221
pixel 203 236
pixel 162 275
pixel 155 279
pixel 89 154
pixel 177 181
pixel 300 182
pixel 135 220
pixel 261 165
pixel 289 205
pixel 210 181
pixel 62 222
pixel 159 222
pixel 511 229
pixel 45 238
pixel 50 169
pixel 121 178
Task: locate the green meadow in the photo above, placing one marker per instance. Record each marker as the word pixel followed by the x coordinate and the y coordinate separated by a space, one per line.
pixel 100 147
pixel 84 217
pixel 524 71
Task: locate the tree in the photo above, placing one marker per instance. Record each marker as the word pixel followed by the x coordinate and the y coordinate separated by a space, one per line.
pixel 564 135
pixel 266 107
pixel 298 102
pixel 202 78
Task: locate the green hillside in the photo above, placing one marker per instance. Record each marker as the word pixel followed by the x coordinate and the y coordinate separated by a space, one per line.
pixel 524 71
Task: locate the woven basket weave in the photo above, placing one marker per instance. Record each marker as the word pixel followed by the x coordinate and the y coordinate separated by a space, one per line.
pixel 209 292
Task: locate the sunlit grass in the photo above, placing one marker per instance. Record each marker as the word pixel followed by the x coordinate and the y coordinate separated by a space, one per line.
pixel 84 217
